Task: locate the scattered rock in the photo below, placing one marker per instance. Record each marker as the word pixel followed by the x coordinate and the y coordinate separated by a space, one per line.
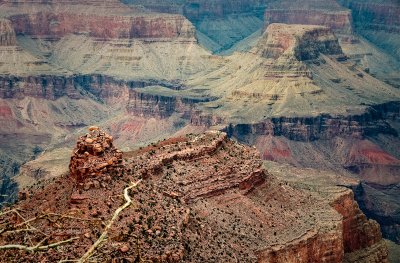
pixel 124 249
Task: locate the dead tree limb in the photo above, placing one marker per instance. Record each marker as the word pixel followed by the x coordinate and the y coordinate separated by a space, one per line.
pixel 38 247
pixel 103 236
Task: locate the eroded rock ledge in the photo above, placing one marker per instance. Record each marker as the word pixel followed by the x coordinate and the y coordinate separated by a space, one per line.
pixel 202 198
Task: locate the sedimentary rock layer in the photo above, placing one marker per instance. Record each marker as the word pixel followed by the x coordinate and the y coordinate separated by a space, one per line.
pixel 57 25
pixel 371 123
pixel 324 13
pixel 200 198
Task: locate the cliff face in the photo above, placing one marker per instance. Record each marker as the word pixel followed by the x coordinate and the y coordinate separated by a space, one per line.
pixel 99 19
pixel 57 25
pixel 385 209
pixel 303 42
pixel 147 104
pixel 372 14
pixel 371 123
pixel 361 237
pixel 358 231
pixel 310 12
pixel 198 9
pixel 199 198
pixel 377 21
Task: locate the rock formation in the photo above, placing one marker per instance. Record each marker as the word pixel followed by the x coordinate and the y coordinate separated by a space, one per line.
pixel 94 155
pixel 302 42
pixel 310 12
pixel 199 198
pixel 377 21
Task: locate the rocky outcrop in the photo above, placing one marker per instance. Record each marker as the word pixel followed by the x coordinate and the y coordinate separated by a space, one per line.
pixel 199 198
pixel 56 25
pixel 371 123
pixel 361 238
pixel 310 12
pixel 7 33
pixel 152 104
pixel 372 14
pixel 302 42
pixel 94 155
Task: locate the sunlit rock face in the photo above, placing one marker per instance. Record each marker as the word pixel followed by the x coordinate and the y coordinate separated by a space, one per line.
pixel 193 194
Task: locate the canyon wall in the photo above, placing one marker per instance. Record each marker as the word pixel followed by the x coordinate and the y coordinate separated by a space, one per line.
pixel 373 14
pixel 339 22
pixel 324 13
pixel 57 25
pixel 384 209
pixel 198 9
pixel 301 41
pixel 377 21
pixel 373 122
pixel 54 87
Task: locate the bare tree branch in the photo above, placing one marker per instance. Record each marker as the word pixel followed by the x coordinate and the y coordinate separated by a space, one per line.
pixel 103 236
pixel 38 247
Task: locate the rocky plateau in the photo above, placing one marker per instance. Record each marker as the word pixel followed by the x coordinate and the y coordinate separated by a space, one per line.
pixel 196 198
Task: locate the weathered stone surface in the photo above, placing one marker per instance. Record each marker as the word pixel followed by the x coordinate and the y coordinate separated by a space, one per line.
pixel 311 12
pixel 55 26
pixel 202 198
pixel 94 155
pixel 303 42
pixel 98 19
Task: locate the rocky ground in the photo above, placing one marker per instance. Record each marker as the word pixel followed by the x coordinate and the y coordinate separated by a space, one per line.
pixel 193 198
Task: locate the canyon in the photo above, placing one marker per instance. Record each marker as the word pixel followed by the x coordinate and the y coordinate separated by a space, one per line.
pixel 312 87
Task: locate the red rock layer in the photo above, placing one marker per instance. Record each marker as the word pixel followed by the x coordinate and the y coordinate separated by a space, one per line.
pixel 94 155
pixel 339 21
pixel 360 234
pixel 203 198
pixel 57 25
pixel 358 231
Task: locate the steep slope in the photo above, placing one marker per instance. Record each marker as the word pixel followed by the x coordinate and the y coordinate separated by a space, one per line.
pixel 317 95
pixel 199 198
pixel 296 71
pixel 311 12
pixel 378 21
pixel 355 23
pixel 219 24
